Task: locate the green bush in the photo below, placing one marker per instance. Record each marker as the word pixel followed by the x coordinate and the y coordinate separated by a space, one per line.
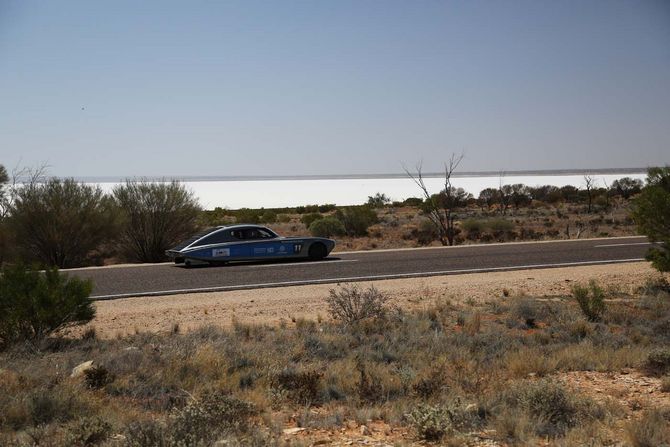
pixel 247 216
pixel 658 361
pixel 269 217
pixel 427 232
pixel 431 423
pixel 88 431
pixel 473 225
pixel 327 227
pixel 60 222
pixel 34 304
pixel 308 219
pixel 500 225
pixel 591 300
pixel 283 218
pixel 204 420
pixel 301 387
pixel 357 219
pixel 156 217
pixel 553 409
pixel 379 200
pixel 651 212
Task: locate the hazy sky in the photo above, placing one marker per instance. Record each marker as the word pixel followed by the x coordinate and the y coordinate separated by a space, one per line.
pixel 317 87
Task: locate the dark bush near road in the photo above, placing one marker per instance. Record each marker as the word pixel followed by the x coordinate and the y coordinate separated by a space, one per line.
pixel 33 304
pixel 651 212
pixel 357 219
pixel 155 217
pixel 60 222
pixel 308 219
pixel 327 227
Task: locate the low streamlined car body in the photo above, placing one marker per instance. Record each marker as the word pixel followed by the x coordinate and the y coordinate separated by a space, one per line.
pixel 223 244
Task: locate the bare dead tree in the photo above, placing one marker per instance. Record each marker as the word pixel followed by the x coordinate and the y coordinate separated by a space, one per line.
pixel 589 183
pixel 439 208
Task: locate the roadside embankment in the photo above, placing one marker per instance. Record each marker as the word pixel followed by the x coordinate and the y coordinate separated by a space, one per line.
pixel 288 304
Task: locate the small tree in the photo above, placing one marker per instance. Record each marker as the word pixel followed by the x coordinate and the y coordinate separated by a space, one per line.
pixel 35 304
pixel 440 208
pixel 59 222
pixel 591 300
pixel 156 217
pixel 379 200
pixel 487 197
pixel 651 212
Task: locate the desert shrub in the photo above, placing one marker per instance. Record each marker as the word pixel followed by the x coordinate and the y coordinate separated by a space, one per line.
pixel 651 212
pixel 326 207
pixel 283 218
pixel 156 217
pixel 350 304
pixel 658 361
pixel 551 407
pixel 591 300
pixel 204 420
pixel 248 216
pixel 34 304
pixel 357 219
pixel 434 422
pixel 379 200
pixel 145 433
pixel 426 233
pixel 500 225
pixel 327 227
pixel 431 423
pixel 527 310
pixel 308 219
pixel 97 377
pixel 650 430
pixel 88 431
pixel 60 222
pixel 473 225
pixel 301 387
pixel 269 217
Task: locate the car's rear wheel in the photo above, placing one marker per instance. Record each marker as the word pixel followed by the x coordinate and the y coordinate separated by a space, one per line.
pixel 317 251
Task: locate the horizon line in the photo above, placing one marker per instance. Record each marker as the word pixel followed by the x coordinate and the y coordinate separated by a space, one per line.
pixel 204 178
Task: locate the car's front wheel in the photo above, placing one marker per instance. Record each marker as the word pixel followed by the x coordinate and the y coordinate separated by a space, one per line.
pixel 317 251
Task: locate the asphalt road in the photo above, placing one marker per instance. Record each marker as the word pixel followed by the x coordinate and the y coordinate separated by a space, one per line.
pixel 163 279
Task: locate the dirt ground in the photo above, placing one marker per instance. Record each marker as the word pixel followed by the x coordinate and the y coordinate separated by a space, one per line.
pixel 287 304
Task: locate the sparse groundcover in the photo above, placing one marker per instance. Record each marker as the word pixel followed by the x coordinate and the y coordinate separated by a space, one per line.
pixel 451 372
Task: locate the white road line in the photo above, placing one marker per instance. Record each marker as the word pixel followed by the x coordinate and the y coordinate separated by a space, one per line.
pixel 358 278
pixel 622 245
pixel 292 264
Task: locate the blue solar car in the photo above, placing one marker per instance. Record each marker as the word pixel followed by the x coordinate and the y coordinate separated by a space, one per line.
pixel 220 245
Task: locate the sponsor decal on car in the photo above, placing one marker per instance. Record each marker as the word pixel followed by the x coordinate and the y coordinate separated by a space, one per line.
pixel 221 252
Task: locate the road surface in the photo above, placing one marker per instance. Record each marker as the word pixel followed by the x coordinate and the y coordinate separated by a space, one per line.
pixel 165 279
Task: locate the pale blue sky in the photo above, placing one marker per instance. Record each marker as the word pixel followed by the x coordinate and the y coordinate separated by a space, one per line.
pixel 332 87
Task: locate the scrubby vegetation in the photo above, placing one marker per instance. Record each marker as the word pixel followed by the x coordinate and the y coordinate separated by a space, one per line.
pixel 155 217
pixel 140 220
pixel 59 222
pixel 452 372
pixel 33 305
pixel 651 211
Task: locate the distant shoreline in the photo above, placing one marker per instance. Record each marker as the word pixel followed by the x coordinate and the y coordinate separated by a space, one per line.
pixel 232 178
